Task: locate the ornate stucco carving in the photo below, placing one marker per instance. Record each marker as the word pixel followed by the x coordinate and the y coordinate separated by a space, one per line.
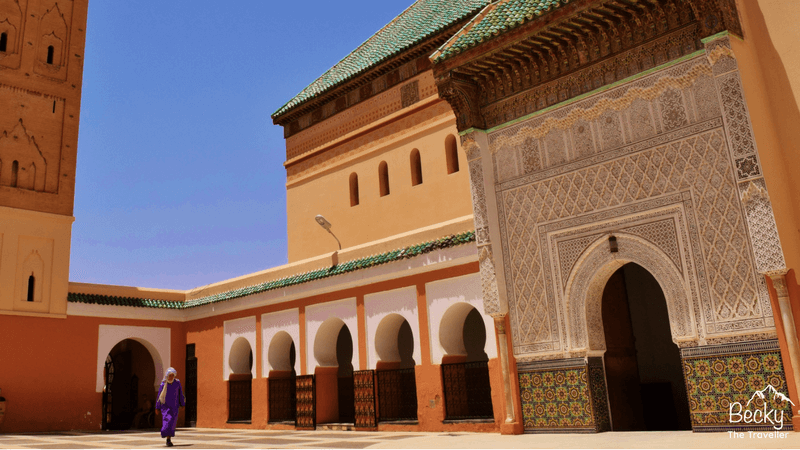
pixel 491 298
pixel 622 153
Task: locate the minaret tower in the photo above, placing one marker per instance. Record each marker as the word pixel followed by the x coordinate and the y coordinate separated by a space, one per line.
pixel 41 71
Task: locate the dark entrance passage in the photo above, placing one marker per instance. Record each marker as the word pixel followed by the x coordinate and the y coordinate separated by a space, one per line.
pixel 129 394
pixel 344 355
pixel 396 376
pixel 282 380
pixel 646 388
pixel 467 390
pixel 240 382
pixel 190 386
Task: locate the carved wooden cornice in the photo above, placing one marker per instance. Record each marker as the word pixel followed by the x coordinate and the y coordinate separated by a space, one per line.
pixel 582 46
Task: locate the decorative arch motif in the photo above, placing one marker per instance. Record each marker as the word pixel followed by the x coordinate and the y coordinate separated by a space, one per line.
pixel 11 24
pixel 51 51
pixel 584 290
pixel 155 340
pixel 20 146
pixel 33 266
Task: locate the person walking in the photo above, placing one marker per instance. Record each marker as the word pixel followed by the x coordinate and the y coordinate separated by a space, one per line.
pixel 170 398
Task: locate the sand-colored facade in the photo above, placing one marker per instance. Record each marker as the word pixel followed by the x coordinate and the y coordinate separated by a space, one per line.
pixel 41 70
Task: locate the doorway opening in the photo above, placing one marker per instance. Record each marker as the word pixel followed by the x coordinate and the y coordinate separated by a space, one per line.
pixel 344 356
pixel 240 382
pixel 282 378
pixel 465 367
pixel 129 392
pixel 395 371
pixel 646 388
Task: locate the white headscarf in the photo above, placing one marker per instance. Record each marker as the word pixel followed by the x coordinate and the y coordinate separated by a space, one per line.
pixel 163 396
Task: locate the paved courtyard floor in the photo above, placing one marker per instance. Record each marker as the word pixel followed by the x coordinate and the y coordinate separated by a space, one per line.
pixel 203 438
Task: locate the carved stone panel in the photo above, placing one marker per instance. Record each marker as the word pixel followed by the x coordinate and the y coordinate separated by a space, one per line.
pixel 662 139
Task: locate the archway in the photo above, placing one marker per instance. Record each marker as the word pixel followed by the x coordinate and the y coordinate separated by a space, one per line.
pixel 465 365
pixel 395 370
pixel 129 394
pixel 281 382
pixel 646 389
pixel 240 381
pixel 333 350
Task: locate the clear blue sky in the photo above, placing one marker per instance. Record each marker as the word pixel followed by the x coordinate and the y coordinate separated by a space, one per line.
pixel 180 180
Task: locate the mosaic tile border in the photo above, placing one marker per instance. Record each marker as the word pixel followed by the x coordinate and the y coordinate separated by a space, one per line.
pixel 716 376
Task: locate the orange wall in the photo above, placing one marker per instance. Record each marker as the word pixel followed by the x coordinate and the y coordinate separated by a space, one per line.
pixel 48 376
pixel 769 64
pixel 208 336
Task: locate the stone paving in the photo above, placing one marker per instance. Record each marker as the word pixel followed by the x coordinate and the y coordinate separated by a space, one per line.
pixel 200 438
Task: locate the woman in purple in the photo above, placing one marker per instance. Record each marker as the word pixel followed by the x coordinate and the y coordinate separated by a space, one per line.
pixel 170 398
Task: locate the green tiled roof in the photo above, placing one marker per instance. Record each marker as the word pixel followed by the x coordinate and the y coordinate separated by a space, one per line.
pixel 501 17
pixel 421 20
pixel 349 266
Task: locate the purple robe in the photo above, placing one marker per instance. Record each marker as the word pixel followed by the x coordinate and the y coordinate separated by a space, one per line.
pixel 169 409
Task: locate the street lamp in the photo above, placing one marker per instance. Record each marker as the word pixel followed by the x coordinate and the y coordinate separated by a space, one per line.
pixel 327 225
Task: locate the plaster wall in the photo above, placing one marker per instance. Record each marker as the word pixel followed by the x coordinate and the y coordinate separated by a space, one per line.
pixel 441 297
pixel 287 321
pixel 320 184
pixel 155 339
pixel 321 336
pixel 769 64
pixel 396 303
pixel 65 352
pixel 244 328
pixel 38 244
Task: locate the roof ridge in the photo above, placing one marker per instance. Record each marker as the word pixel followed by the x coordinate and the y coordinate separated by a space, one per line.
pixel 289 280
pixel 430 20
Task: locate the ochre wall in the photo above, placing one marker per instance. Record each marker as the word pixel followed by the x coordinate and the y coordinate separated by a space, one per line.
pixel 45 97
pixel 48 376
pixel 40 112
pixel 208 336
pixel 769 63
pixel 320 183
pixel 42 238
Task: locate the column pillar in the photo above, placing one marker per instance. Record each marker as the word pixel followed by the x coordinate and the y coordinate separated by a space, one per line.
pixel 475 145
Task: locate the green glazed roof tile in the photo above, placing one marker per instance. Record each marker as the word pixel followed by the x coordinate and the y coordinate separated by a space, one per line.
pixel 421 20
pixel 502 17
pixel 347 266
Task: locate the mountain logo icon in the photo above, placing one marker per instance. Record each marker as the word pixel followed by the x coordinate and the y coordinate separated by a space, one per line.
pixel 770 389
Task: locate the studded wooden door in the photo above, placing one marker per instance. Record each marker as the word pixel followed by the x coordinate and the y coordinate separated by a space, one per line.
pixel 306 418
pixel 364 387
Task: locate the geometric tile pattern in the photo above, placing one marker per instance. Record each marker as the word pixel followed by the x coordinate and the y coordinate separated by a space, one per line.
pixel 556 399
pixel 564 395
pixel 699 162
pixel 713 382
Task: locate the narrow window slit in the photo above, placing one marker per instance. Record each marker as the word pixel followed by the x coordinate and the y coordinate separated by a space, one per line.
pixel 14 173
pixel 50 53
pixel 3 42
pixel 31 284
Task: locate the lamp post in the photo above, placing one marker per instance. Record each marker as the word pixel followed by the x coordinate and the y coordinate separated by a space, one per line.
pixel 327 225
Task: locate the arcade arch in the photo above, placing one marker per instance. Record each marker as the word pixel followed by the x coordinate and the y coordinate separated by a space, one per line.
pixel 395 370
pixel 465 368
pixel 281 381
pixel 129 391
pixel 333 351
pixel 632 305
pixel 240 399
pixel 462 333
pixel 394 343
